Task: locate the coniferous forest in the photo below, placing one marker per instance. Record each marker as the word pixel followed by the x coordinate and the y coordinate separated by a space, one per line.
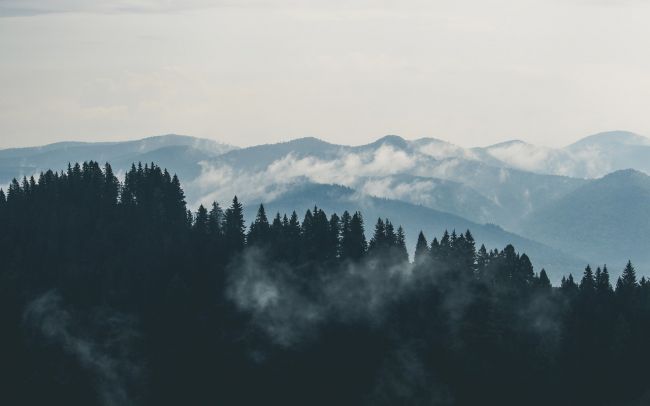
pixel 113 293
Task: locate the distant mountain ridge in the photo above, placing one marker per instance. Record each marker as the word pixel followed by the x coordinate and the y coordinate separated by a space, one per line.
pixel 165 150
pixel 555 196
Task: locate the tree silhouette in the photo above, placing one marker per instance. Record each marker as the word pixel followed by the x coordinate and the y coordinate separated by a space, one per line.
pixel 118 292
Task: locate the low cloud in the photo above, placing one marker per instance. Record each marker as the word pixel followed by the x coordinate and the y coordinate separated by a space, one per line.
pixel 288 312
pixel 109 358
pixel 222 181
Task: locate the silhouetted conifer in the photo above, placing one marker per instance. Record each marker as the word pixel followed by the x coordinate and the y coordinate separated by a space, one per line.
pixel 234 227
pixel 421 249
pixel 260 229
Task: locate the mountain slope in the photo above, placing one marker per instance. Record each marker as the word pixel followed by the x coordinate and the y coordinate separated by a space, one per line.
pixel 591 157
pixel 606 220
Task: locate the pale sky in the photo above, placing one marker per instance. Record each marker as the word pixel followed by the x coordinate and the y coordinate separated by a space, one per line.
pixel 473 72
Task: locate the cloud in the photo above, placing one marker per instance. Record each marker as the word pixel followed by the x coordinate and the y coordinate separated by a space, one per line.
pixel 443 150
pixel 589 162
pixel 108 358
pixel 221 181
pixel 288 313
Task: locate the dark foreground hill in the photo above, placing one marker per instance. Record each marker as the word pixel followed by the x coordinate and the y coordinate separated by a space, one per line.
pixel 112 293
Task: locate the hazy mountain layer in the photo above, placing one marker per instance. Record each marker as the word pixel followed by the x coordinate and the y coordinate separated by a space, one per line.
pixel 519 186
pixel 606 220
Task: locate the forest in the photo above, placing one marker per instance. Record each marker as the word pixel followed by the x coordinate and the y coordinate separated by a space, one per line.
pixel 114 293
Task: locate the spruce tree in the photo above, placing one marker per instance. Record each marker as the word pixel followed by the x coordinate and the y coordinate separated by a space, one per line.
pixel 401 253
pixel 445 249
pixel 626 286
pixel 628 277
pixel 524 273
pixel 216 221
pixel 467 252
pixel 234 227
pixel 482 260
pixel 435 251
pixel 259 231
pixel 391 236
pixel 201 222
pixel 588 283
pixel 421 249
pixel 354 245
pixel 543 283
pixel 378 242
pixel 603 285
pixel 334 240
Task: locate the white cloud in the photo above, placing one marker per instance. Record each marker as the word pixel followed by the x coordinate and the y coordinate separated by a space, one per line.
pixel 443 150
pixel 220 182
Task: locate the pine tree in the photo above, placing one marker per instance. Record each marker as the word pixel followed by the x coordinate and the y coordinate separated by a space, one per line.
pixel 445 249
pixel 482 260
pixel 291 239
pixel 401 253
pixel 626 286
pixel 14 193
pixel 353 242
pixel 391 236
pixel 216 221
pixel 175 201
pixel 293 231
pixel 316 237
pixel 523 275
pixel 277 226
pixel 334 240
pixel 628 277
pixel 467 252
pixel 603 286
pixel 259 231
pixel 234 227
pixel 508 270
pixel 110 190
pixel 378 242
pixel 569 287
pixel 201 222
pixel 588 283
pixel 345 225
pixel 421 249
pixel 435 251
pixel 543 283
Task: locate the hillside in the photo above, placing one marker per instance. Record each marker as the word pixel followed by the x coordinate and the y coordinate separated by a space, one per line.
pixel 606 220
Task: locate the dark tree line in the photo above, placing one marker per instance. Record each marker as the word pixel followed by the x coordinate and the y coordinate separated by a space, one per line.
pixel 114 293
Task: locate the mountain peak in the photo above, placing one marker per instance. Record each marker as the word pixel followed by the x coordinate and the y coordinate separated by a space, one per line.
pixel 507 144
pixel 309 142
pixel 393 140
pixel 625 174
pixel 611 138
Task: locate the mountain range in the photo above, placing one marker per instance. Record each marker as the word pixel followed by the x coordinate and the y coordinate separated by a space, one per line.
pixel 565 207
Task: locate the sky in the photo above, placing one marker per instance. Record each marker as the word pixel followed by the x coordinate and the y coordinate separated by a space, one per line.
pixel 473 72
